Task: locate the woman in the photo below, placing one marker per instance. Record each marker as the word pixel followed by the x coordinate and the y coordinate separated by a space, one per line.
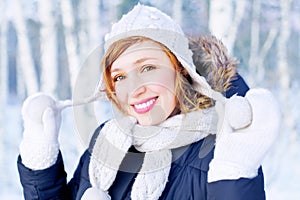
pixel 161 144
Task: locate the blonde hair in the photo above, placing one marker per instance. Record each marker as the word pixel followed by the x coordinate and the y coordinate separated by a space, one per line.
pixel 187 98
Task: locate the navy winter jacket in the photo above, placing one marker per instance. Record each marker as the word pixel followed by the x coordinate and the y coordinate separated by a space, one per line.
pixel 187 178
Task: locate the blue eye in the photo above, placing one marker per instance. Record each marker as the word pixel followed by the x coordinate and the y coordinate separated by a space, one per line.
pixel 118 78
pixel 147 68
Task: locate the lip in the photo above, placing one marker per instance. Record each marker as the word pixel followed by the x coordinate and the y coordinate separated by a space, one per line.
pixel 144 106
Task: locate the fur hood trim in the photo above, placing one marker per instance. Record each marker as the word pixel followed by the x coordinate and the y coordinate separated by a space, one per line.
pixel 213 61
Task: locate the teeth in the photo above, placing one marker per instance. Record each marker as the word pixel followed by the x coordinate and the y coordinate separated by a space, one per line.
pixel 144 105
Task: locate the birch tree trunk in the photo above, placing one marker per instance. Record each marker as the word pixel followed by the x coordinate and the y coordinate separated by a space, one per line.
pixel 224 20
pixel 259 51
pixel 91 35
pixel 25 62
pixel 283 68
pixel 3 77
pixel 95 34
pixel 177 11
pixel 91 46
pixel 70 40
pixel 254 45
pixel 282 47
pixel 83 38
pixel 49 71
pixel 220 18
pixel 260 68
pixel 233 29
pixel 3 55
pixel 113 11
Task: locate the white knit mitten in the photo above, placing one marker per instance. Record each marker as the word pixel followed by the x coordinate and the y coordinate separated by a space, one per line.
pixel 42 118
pixel 245 135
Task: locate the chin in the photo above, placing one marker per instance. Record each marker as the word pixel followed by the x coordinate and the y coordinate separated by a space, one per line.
pixel 150 120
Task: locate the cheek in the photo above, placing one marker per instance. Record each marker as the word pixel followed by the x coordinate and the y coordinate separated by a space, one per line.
pixel 122 94
pixel 169 99
pixel 167 96
pixel 122 98
pixel 161 89
pixel 166 79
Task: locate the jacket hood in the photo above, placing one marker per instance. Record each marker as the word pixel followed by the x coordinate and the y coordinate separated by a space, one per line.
pixel 213 61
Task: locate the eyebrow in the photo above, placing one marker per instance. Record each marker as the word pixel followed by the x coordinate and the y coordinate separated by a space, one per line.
pixel 141 60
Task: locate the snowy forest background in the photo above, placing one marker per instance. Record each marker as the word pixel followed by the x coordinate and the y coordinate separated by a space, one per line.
pixel 44 46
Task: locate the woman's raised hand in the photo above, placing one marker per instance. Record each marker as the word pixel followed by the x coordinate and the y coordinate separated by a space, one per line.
pixel 42 119
pixel 248 128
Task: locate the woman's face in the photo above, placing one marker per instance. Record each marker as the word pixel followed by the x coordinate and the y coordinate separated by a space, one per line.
pixel 144 81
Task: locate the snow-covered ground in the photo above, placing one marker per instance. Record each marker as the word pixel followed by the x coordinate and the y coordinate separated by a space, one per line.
pixel 282 166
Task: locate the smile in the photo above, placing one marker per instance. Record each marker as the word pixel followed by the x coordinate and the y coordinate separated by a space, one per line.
pixel 145 106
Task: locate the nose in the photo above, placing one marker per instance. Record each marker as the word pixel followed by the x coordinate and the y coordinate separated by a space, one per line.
pixel 132 86
pixel 135 84
pixel 140 89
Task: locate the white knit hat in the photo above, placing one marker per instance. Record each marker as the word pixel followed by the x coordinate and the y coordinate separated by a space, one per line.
pixel 150 22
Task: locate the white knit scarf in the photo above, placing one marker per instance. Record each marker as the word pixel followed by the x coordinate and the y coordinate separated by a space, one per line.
pixel 113 143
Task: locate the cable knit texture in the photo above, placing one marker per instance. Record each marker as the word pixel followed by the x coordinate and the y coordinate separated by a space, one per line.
pixel 239 153
pixel 151 23
pixel 39 146
pixel 117 136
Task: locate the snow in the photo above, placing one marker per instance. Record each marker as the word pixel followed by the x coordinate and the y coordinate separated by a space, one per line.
pixel 281 167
